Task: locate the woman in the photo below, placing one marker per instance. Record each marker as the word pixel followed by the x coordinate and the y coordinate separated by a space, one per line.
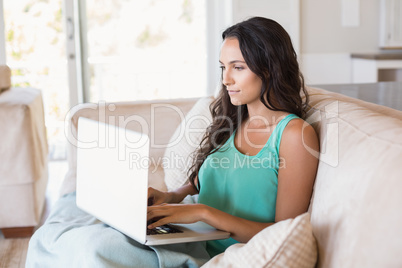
pixel 252 169
pixel 257 131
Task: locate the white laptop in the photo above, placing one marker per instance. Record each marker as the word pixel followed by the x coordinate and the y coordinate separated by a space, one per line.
pixel 112 184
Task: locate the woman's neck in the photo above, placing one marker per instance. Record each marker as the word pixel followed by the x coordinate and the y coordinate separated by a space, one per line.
pixel 259 116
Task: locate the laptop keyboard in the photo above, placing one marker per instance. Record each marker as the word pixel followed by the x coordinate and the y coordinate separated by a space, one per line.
pixel 163 229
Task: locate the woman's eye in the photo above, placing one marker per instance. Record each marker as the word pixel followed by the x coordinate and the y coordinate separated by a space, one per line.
pixel 222 67
pixel 239 68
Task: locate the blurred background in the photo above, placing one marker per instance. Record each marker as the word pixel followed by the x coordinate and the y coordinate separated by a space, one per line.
pixel 124 50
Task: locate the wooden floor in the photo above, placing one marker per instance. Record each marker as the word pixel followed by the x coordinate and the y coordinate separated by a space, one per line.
pixel 13 251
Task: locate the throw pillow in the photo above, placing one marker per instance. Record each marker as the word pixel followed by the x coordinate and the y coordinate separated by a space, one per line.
pixel 288 243
pixel 184 142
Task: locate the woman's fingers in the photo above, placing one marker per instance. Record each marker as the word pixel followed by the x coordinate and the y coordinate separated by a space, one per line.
pixel 158 211
pixel 173 213
pixel 156 197
pixel 160 215
pixel 151 196
pixel 160 222
pixel 151 192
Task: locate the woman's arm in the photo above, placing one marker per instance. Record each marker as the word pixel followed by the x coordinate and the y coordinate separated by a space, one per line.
pixel 299 152
pixel 240 229
pixel 157 197
pixel 179 194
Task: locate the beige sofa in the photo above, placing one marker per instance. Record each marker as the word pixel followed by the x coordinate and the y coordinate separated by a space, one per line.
pixel 23 157
pixel 355 207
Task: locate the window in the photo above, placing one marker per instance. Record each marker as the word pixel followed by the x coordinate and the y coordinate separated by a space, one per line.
pixel 129 50
pixel 36 54
pixel 150 49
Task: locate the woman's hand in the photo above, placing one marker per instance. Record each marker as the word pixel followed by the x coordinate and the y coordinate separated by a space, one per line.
pixel 156 197
pixel 175 213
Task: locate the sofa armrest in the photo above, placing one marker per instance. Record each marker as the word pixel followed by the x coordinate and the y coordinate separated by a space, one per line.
pixel 5 78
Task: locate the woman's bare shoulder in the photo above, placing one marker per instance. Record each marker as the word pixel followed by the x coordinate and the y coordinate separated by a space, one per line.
pixel 299 133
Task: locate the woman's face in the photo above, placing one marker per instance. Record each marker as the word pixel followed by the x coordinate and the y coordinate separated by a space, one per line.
pixel 242 84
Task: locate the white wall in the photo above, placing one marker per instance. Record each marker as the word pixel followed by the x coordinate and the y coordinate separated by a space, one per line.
pixel 326 45
pixel 322 30
pixel 285 12
pixel 323 43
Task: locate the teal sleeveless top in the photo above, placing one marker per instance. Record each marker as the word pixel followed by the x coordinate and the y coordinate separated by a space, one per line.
pixel 242 185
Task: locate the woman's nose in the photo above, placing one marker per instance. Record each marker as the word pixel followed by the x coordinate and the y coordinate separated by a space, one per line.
pixel 226 78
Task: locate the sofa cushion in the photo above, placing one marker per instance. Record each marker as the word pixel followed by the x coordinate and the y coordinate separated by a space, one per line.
pixel 357 192
pixel 184 141
pixel 289 243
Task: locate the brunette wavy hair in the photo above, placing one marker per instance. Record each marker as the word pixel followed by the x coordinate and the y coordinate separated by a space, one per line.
pixel 268 51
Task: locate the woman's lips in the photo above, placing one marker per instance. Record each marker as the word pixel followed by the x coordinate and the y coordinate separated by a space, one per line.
pixel 231 92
